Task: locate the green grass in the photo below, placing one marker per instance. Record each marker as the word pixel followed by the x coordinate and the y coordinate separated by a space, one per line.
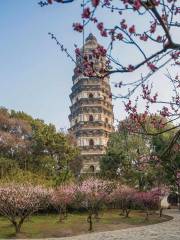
pixel 41 226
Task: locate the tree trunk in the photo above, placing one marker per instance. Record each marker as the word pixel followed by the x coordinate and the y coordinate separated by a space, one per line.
pixel 147 215
pixel 89 220
pixel 17 226
pixel 122 212
pixel 66 212
pixel 2 172
pixel 127 211
pixel 141 183
pixel 160 212
pixel 61 215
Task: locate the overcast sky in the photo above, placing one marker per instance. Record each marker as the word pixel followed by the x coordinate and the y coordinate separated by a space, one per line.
pixel 35 77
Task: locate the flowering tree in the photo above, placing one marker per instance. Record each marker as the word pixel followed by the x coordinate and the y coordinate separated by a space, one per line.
pixel 155 43
pixel 17 202
pixel 148 200
pixel 93 194
pixel 161 192
pixel 124 197
pixel 63 196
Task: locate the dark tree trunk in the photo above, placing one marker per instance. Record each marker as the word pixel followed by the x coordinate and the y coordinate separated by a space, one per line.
pixel 61 215
pixel 18 226
pixel 147 215
pixel 66 212
pixel 89 220
pixel 160 212
pixel 127 211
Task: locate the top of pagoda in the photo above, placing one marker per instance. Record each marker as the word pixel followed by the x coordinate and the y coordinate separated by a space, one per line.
pixel 90 43
pixel 91 37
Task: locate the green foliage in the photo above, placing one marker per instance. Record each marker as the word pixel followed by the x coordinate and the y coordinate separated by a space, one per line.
pixel 121 157
pixel 21 115
pixel 122 160
pixel 161 141
pixel 6 166
pixel 21 176
pixel 126 150
pixel 33 146
pixel 171 161
pixel 114 157
pixel 44 165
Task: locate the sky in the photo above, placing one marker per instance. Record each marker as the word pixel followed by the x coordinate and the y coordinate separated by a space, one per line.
pixel 35 77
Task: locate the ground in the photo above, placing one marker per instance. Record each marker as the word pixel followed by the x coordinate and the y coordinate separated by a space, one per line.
pixel 169 230
pixel 48 226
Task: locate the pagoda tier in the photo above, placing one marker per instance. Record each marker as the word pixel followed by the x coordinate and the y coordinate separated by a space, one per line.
pixel 91 118
pixel 86 109
pixel 91 84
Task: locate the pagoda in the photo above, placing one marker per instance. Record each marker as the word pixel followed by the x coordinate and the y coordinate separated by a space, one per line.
pixel 91 118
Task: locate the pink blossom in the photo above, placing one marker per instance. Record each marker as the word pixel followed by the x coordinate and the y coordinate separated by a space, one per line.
pixel 18 201
pixel 86 13
pixel 137 4
pixel 152 66
pixel 78 27
pixel 63 195
pixel 132 29
pixel 95 3
pixel 100 26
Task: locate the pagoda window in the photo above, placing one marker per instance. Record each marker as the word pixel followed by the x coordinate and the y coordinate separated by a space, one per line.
pixel 106 120
pixel 91 95
pixel 91 118
pixel 91 142
pixel 92 169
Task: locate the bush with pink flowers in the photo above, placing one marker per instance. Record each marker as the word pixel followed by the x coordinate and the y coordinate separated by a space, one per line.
pixel 149 200
pixel 93 194
pixel 19 201
pixel 123 197
pixel 62 197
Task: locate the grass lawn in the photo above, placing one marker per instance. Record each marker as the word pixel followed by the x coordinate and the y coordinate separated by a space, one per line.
pixel 41 226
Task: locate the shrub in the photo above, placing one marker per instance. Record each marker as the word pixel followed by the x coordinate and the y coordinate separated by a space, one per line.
pixel 19 201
